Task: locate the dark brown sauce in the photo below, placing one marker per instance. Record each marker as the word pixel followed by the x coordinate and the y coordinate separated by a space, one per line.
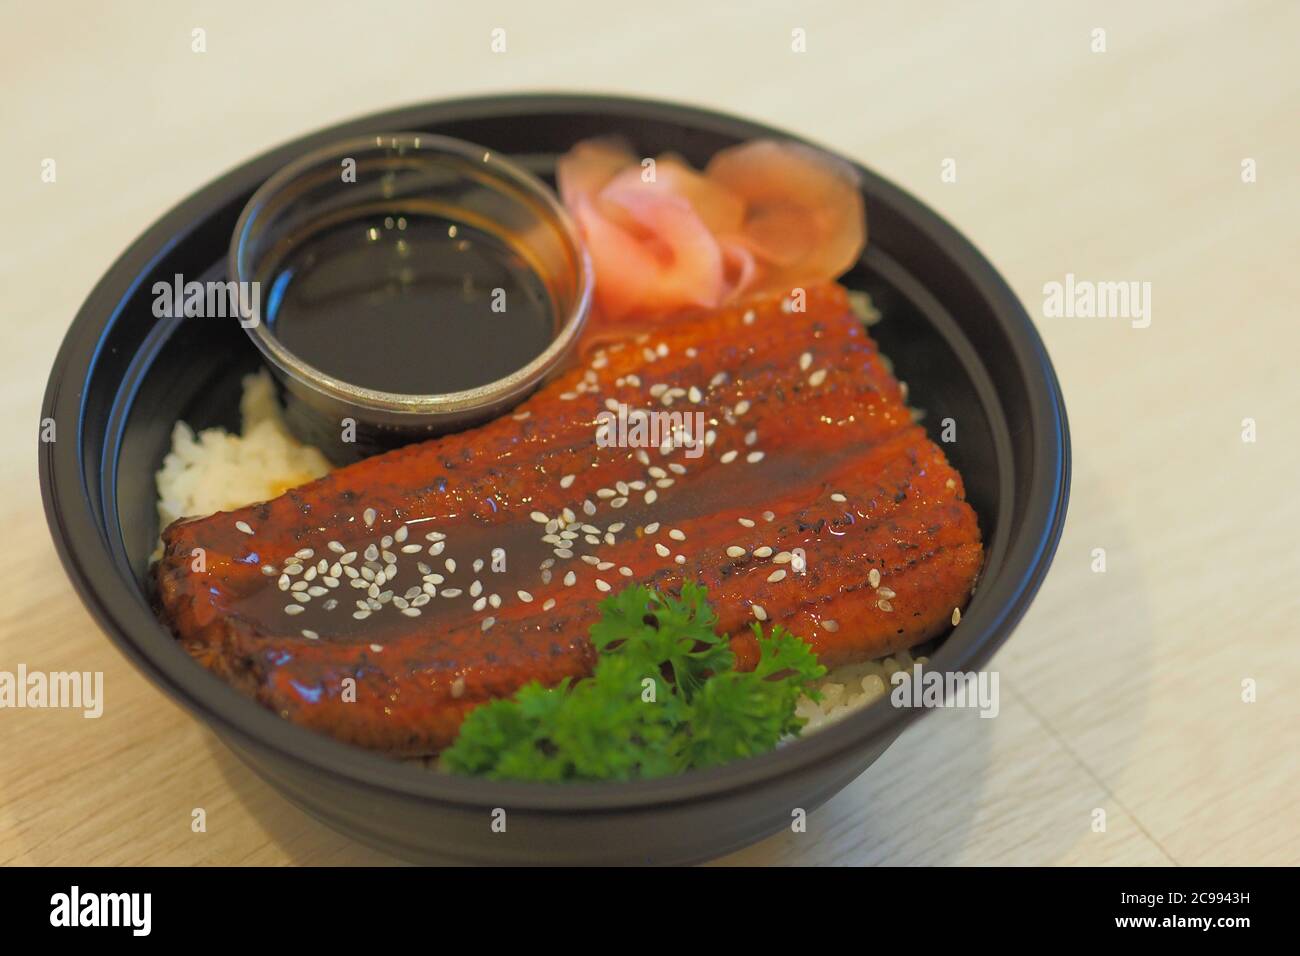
pixel 711 491
pixel 409 303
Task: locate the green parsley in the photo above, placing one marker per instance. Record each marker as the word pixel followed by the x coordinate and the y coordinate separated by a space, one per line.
pixel 664 697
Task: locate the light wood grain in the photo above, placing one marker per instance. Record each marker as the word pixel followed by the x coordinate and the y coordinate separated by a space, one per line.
pixel 1121 691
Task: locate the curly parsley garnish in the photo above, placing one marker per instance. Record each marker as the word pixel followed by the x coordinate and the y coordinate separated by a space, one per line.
pixel 664 697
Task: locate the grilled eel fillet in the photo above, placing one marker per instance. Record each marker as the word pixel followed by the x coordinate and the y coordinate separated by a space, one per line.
pixel 810 499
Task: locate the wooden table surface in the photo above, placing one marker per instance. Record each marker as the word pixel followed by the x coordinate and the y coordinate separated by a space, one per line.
pixel 1121 690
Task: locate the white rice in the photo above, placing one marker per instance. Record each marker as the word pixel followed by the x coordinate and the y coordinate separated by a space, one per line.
pixel 217 471
pixel 853 686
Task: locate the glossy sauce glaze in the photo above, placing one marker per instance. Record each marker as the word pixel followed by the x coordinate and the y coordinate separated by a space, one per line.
pixel 815 503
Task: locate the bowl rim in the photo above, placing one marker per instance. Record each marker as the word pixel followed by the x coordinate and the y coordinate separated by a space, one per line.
pixel 121 611
pixel 432 405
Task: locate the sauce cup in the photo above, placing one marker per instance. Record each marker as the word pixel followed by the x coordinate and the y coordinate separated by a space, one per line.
pixel 388 174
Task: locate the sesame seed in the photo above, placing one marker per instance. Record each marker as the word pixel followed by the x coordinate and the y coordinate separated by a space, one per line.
pixel 304 554
pixel 435 536
pixel 310 634
pixel 831 626
pixel 735 551
pixel 741 408
pixel 369 516
pixel 588 508
pixel 754 457
pixel 728 457
pixel 452 592
pixel 759 612
pixel 294 609
pixel 480 604
pixel 283 583
pixel 817 377
pixel 336 547
pixel 563 553
pixel 884 605
pixel 651 496
pixel 550 603
pixel 411 549
pixel 488 622
pixel 677 534
pixel 874 578
pixel 762 552
pixel 838 497
pixel 361 615
pixel 625 571
pixel 570 579
pixel 679 558
pixel 539 517
pixel 450 565
pixel 244 527
pixel 525 597
pixel 769 516
pixel 601 585
pixel 751 436
pixel 777 575
pixel 566 481
pixel 805 361
pixel 476 589
pixel 746 522
pixel 887 593
pixel 956 616
pixel 749 317
pixel 494 600
pixel 695 395
pixel 718 379
pixel 348 558
pixel 661 550
pixel 652 527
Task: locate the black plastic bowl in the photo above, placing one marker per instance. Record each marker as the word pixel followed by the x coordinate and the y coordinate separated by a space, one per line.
pixel 122 378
